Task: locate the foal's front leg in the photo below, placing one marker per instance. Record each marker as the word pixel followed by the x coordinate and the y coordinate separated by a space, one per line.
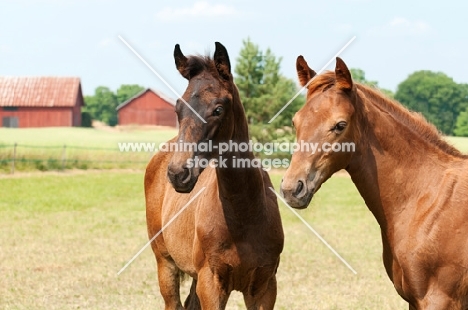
pixel 212 293
pixel 169 283
pixel 263 300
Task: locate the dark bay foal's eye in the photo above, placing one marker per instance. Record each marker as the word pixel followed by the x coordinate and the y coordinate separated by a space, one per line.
pixel 218 111
pixel 339 127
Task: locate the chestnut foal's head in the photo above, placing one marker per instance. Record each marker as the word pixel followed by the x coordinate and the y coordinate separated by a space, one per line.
pixel 328 120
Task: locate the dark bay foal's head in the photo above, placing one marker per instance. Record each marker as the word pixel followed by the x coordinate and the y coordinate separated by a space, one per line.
pixel 329 119
pixel 210 93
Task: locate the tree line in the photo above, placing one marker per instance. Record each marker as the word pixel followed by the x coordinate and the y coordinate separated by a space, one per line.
pixel 264 90
pixel 102 105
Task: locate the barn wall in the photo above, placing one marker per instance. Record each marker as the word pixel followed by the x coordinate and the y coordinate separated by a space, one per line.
pixel 76 117
pixel 148 109
pixel 40 117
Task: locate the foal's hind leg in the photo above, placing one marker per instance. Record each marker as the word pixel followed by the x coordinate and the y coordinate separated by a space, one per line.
pixel 192 302
pixel 169 283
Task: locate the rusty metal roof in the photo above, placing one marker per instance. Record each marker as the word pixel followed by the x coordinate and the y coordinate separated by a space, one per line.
pixel 39 91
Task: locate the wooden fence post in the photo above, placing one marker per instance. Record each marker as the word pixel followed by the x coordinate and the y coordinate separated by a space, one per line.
pixel 14 159
pixel 64 156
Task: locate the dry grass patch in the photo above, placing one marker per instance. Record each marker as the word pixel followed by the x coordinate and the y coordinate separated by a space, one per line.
pixel 63 238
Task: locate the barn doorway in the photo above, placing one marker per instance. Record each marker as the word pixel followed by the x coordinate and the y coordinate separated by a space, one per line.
pixel 10 122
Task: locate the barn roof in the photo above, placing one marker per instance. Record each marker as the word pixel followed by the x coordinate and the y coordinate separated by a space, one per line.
pixel 39 91
pixel 157 93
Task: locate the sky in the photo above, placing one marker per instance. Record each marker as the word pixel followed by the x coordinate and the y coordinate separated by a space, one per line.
pixel 81 38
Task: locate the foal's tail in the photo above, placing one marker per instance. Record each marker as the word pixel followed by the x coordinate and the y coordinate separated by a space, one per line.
pixel 192 302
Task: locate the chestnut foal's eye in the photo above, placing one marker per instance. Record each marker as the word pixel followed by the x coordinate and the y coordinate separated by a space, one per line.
pixel 339 127
pixel 218 111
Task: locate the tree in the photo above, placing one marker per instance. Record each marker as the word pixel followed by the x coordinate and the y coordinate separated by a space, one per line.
pixel 102 105
pixel 461 125
pixel 263 89
pixel 359 76
pixel 436 96
pixel 249 74
pixel 86 119
pixel 127 91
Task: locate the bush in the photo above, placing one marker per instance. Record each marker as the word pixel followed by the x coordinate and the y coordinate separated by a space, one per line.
pixel 86 120
pixel 267 134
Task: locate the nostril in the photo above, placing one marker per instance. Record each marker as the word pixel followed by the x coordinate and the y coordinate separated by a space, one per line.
pixel 180 175
pixel 170 172
pixel 299 188
pixel 185 177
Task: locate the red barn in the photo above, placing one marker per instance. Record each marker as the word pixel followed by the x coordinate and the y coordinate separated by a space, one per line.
pixel 40 101
pixel 148 107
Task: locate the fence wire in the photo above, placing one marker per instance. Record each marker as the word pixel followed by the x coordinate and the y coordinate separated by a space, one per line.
pixel 26 157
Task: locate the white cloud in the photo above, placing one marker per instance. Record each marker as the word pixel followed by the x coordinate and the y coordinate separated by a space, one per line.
pixel 199 9
pixel 400 26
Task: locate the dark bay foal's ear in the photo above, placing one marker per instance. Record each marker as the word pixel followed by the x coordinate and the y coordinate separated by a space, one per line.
pixel 343 76
pixel 181 62
pixel 304 72
pixel 221 59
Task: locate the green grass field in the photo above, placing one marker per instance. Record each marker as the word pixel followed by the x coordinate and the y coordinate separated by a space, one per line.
pixel 104 137
pixel 64 237
pixel 85 148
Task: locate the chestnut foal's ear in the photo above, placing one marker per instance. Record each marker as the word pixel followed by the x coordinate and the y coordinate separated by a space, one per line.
pixel 304 72
pixel 343 76
pixel 222 63
pixel 181 62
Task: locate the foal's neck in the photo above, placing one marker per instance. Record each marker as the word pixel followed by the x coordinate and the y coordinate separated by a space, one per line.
pixel 394 162
pixel 241 187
